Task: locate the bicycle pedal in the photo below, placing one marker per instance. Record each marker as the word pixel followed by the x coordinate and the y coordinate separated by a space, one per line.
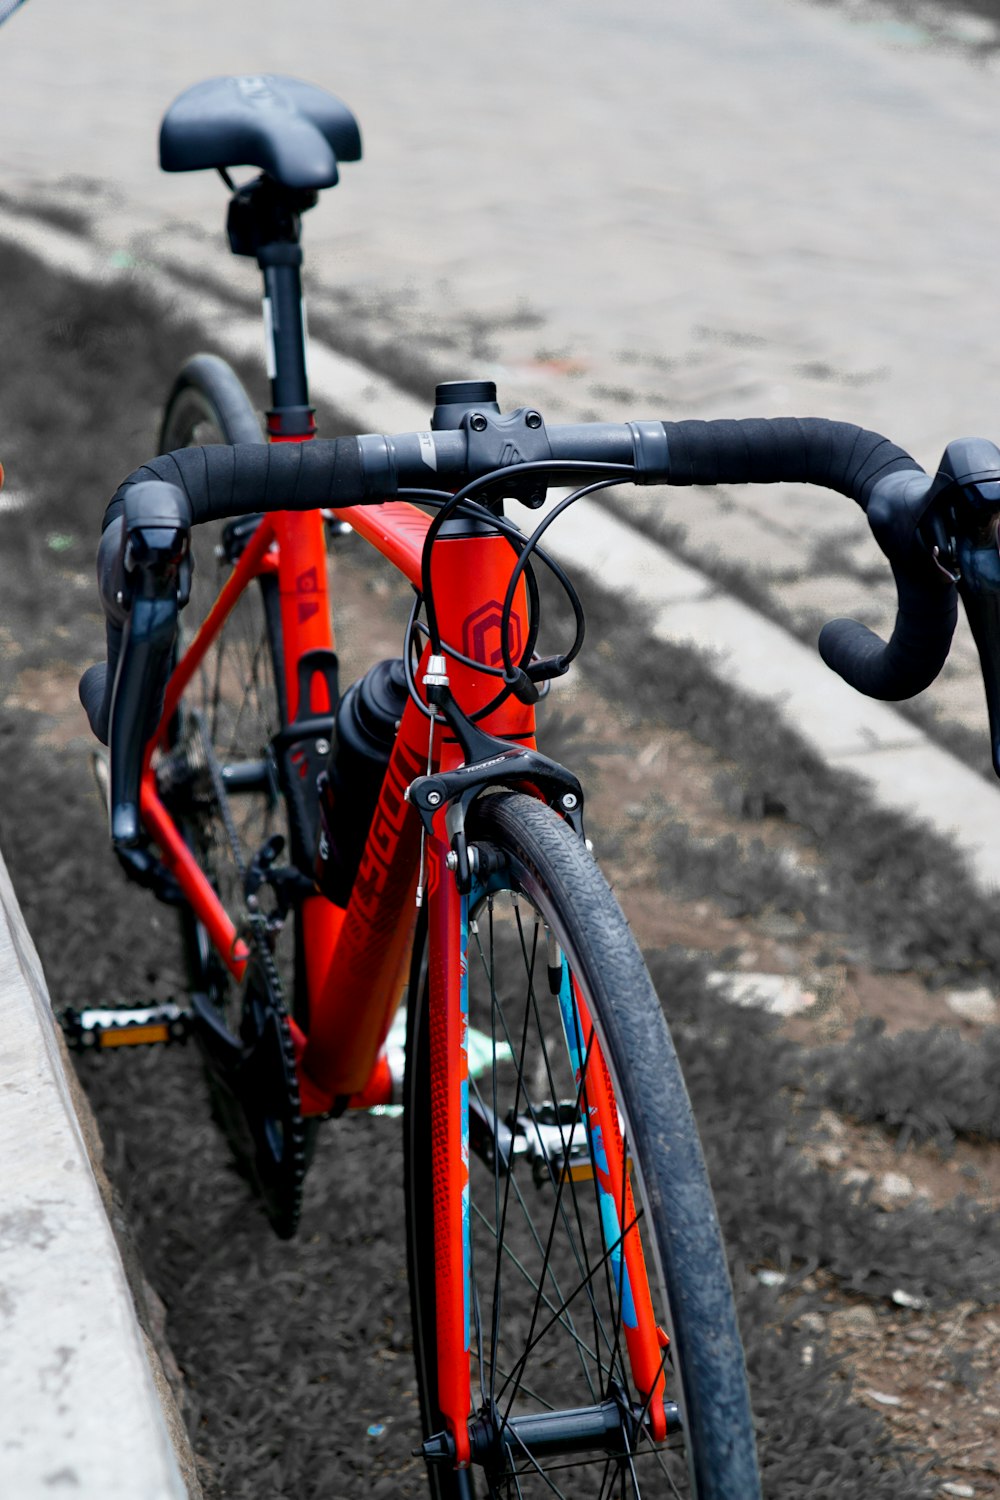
pixel 124 1026
pixel 553 1141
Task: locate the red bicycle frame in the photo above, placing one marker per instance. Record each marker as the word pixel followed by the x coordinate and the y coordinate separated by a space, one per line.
pixel 358 958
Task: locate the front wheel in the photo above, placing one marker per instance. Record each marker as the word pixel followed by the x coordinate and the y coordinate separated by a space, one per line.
pixel 591 1214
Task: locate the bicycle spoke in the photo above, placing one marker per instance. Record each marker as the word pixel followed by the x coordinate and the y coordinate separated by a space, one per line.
pixel 588 1278
pixel 511 1254
pixel 573 1242
pixel 566 1213
pixel 477 1313
pixel 562 1244
pixel 607 1254
pixel 538 1468
pixel 593 1167
pixel 583 1238
pixel 615 1301
pixel 535 1395
pixel 495 1329
pixel 531 1109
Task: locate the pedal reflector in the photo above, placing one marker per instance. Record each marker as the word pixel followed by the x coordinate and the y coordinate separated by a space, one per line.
pixel 133 1036
pixel 124 1026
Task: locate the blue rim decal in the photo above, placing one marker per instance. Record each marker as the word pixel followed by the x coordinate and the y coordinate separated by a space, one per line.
pixel 610 1222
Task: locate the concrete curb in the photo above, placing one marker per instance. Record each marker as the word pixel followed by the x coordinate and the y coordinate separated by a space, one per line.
pixel 82 1409
pixel 902 767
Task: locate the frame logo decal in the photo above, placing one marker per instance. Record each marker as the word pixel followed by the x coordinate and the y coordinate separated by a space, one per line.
pixel 307 583
pixel 481 634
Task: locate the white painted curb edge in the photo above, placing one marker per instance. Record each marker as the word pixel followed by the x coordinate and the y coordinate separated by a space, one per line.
pixel 80 1407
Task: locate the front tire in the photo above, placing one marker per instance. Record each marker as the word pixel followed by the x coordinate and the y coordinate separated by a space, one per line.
pixel 546 1314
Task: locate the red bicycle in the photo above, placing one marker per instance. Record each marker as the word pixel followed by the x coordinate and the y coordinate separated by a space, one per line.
pixel 336 856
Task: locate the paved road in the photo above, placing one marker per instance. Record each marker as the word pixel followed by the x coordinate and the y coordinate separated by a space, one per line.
pixel 650 177
pixel 744 207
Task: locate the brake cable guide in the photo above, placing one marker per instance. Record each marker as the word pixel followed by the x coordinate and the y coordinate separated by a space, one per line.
pixel 518 678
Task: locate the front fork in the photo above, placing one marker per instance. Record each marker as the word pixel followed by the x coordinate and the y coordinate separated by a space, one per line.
pixel 448 990
pixel 619 1221
pixel 449 1068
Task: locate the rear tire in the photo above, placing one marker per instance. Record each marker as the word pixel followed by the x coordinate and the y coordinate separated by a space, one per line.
pixel 208 404
pixel 236 699
pixel 228 716
pixel 550 1227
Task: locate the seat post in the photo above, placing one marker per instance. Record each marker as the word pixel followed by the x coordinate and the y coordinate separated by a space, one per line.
pixel 290 415
pixel 265 222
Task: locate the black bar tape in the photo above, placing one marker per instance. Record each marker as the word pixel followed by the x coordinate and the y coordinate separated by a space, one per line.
pixel 806 450
pixel 916 651
pixel 853 461
pixel 222 481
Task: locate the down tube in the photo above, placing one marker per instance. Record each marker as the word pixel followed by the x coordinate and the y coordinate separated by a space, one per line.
pixel 370 963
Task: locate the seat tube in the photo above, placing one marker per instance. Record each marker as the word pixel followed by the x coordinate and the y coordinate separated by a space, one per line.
pixel 307 626
pixel 306 623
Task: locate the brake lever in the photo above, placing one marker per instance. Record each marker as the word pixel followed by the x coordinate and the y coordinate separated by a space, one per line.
pixel 156 576
pixel 962 537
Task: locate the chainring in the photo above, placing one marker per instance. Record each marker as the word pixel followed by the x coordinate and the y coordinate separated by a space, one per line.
pixel 255 1093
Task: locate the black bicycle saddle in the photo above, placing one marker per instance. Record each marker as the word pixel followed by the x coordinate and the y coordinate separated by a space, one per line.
pixel 294 131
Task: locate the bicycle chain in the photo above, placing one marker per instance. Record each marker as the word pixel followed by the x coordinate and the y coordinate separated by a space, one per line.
pixel 280 1188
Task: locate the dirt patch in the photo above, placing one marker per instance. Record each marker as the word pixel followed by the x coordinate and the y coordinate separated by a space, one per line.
pixel 933 1379
pixel 869 1158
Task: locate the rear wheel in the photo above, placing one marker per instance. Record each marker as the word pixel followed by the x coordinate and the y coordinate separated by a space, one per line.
pixel 208 404
pixel 550 1289
pixel 221 782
